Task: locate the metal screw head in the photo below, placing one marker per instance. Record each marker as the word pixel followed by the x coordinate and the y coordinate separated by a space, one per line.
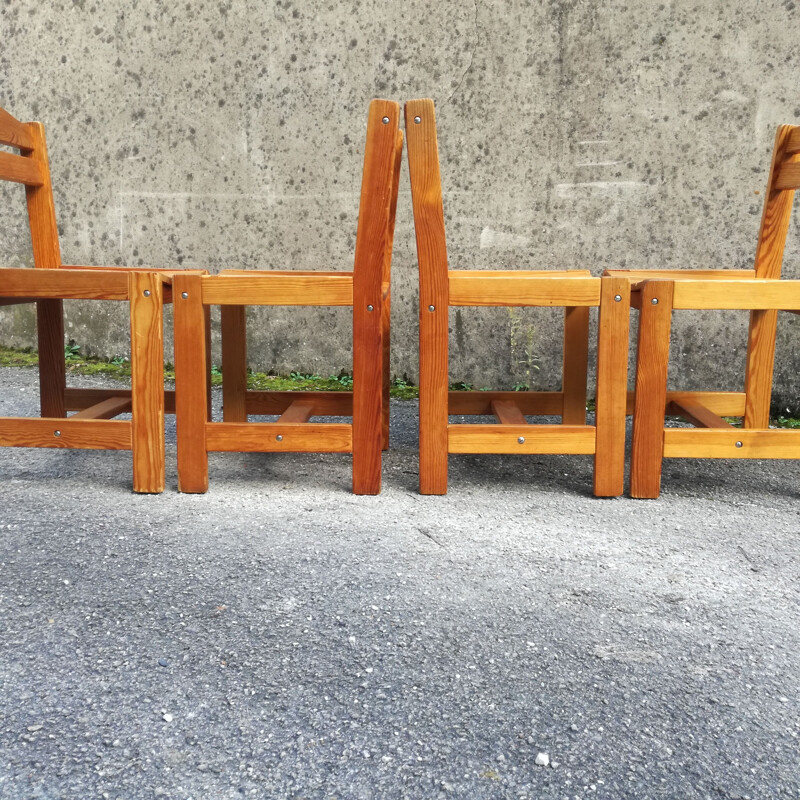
pixel 385 120
pixel 617 298
pixel 654 301
pixel 146 293
pixel 521 440
pixel 184 295
pixel 431 308
pixel 370 308
pixel 56 433
pixel 417 120
pixel 279 437
pixel 738 444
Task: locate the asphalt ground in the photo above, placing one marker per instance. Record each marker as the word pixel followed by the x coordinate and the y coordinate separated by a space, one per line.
pixel 280 638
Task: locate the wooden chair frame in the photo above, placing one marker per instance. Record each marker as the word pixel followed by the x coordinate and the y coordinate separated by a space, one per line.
pixel 712 436
pixel 366 289
pixel 576 292
pixel 48 285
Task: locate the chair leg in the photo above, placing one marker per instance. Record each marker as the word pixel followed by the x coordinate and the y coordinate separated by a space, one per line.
pixel 612 385
pixel 147 381
pixel 52 378
pixel 387 378
pixel 760 365
pixel 652 362
pixel 191 401
pixel 234 363
pixel 575 366
pixel 433 399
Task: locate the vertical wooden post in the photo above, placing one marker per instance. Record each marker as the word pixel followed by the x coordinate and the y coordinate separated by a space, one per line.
pixel 612 386
pixel 368 272
pixel 191 387
pixel 652 363
pixel 147 381
pixel 426 195
pixel 234 363
pixel 575 365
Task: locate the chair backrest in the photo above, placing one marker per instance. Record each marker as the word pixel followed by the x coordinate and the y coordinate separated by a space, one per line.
pixel 30 167
pixel 784 178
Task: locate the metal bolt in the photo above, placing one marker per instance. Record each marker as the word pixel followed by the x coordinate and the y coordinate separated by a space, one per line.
pixel 417 120
pixel 370 308
pixel 521 440
pixel 56 433
pixel 147 293
pixel 654 301
pixel 184 295
pixel 431 308
pixel 385 120
pixel 617 298
pixel 279 437
pixel 738 444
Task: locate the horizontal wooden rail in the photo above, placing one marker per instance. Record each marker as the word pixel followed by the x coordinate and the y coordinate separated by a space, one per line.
pixel 326 404
pixel 529 403
pixel 13 132
pixel 637 275
pixel 63 283
pixel 788 177
pixel 537 439
pixel 80 434
pixel 265 289
pixel 272 437
pixel 105 409
pixel 77 399
pixel 474 288
pixel 736 443
pixel 698 414
pixel 20 169
pixel 745 295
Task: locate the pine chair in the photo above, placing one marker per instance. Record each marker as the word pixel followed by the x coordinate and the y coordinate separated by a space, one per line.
pixel 762 296
pixel 576 292
pixel 48 285
pixel 366 289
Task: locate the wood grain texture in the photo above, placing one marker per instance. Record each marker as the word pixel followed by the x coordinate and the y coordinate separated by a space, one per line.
pixel 191 387
pixel 426 196
pixel 698 414
pixel 41 208
pixel 20 169
pixel 538 439
pixel 725 404
pixel 652 362
pixel 66 284
pixel 716 443
pixel 105 409
pixel 792 140
pixel 788 177
pixel 13 132
pixel 612 385
pixel 746 295
pixel 637 275
pixel 50 342
pixel 373 243
pixel 507 413
pixel 337 404
pixel 298 411
pixel 473 288
pixel 529 403
pixel 77 398
pixel 262 437
pixel 268 289
pixel 73 434
pixel 147 382
pixel 575 364
pixel 233 327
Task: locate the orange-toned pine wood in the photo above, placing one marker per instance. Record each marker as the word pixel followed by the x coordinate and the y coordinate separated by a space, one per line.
pixel 698 414
pixel 299 411
pixel 233 326
pixel 473 288
pixel 636 275
pixel 13 132
pixel 268 289
pixel 262 437
pixel 788 177
pixel 64 284
pixel 538 439
pixel 41 209
pixel 426 195
pixel 75 434
pixel 792 143
pixel 529 403
pixel 652 362
pixel 292 273
pixel 725 404
pixel 507 413
pixel 734 443
pixel 191 399
pixel 105 409
pixel 336 404
pixel 77 399
pixel 147 382
pixel 19 169
pixel 575 364
pixel 372 244
pixel 612 383
pixel 50 340
pixel 752 294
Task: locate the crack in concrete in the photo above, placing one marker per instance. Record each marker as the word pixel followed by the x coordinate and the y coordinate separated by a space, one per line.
pixel 471 58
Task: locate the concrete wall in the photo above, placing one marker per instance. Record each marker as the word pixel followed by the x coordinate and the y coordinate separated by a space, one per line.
pixel 573 135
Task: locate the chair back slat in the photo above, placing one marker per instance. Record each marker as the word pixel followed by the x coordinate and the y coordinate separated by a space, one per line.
pixel 13 132
pixel 788 177
pixel 20 169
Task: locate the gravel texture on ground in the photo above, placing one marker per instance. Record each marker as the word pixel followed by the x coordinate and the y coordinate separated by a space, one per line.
pixel 280 638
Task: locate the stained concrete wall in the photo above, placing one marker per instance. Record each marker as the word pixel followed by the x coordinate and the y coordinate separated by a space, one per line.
pixel 572 134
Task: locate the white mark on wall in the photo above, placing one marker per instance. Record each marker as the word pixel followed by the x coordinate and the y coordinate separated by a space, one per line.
pixel 598 164
pixel 595 141
pixel 571 191
pixel 502 241
pixel 732 96
pixel 270 198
